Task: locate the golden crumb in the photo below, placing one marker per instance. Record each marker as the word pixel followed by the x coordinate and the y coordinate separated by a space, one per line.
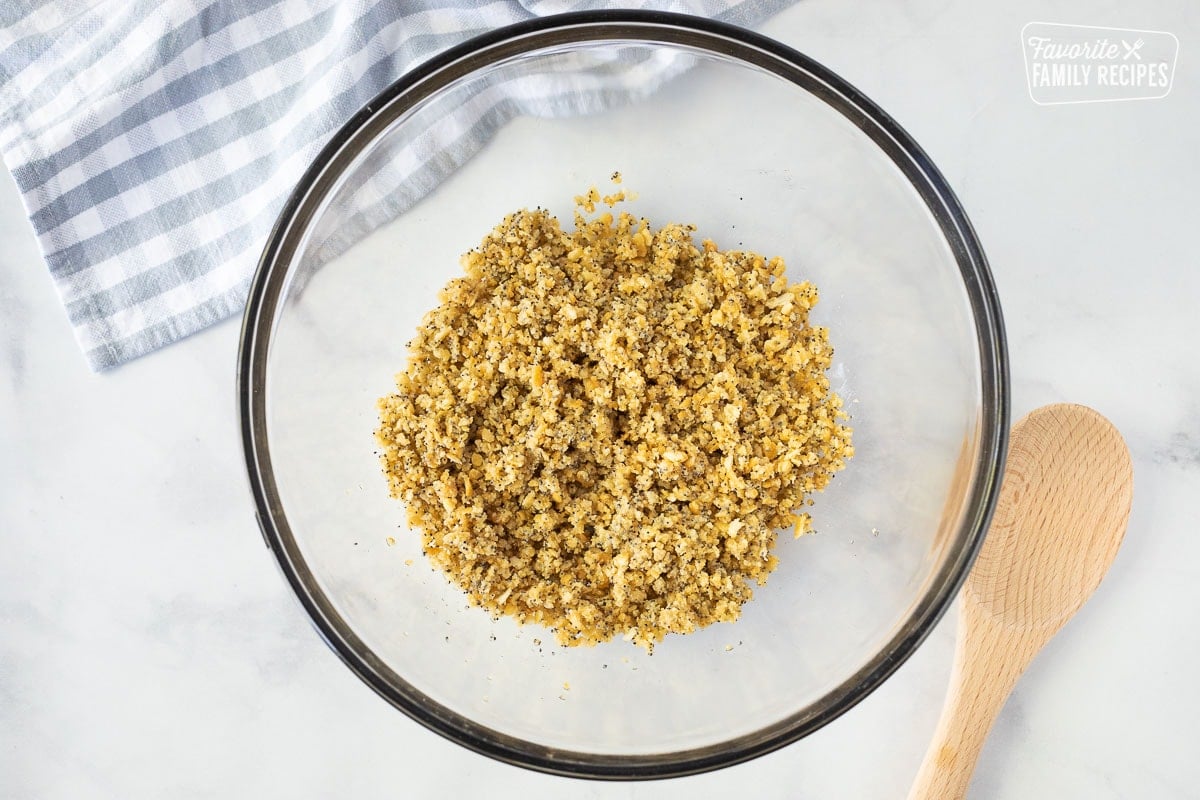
pixel 601 431
pixel 391 540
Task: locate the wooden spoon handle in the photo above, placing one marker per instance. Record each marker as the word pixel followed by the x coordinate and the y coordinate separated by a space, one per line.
pixel 983 675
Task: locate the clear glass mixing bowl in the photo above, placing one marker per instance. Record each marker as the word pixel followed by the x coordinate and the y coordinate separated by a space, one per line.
pixel 753 143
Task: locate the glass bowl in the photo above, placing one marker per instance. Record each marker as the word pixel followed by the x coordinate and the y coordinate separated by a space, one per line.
pixel 756 145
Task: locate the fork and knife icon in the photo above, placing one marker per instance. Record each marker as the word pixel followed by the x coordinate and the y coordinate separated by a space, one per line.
pixel 1132 49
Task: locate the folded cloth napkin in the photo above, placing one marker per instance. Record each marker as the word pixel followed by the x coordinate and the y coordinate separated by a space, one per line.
pixel 154 141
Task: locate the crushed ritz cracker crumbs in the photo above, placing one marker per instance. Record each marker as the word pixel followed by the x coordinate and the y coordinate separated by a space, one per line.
pixel 602 430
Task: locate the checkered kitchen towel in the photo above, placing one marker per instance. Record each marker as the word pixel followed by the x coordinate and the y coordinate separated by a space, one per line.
pixel 154 141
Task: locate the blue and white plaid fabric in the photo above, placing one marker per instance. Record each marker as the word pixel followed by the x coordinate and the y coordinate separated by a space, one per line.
pixel 154 141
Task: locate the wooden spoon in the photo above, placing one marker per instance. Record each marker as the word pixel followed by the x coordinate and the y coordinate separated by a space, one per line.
pixel 1060 518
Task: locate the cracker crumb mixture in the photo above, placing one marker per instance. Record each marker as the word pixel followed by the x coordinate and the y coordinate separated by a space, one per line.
pixel 601 431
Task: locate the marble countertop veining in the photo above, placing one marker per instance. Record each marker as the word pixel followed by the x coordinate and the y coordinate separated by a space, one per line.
pixel 149 648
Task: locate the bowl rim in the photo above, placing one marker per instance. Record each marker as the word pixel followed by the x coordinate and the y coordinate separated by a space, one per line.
pixel 673 29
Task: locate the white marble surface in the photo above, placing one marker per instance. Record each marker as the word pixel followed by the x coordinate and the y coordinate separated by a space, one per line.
pixel 149 648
